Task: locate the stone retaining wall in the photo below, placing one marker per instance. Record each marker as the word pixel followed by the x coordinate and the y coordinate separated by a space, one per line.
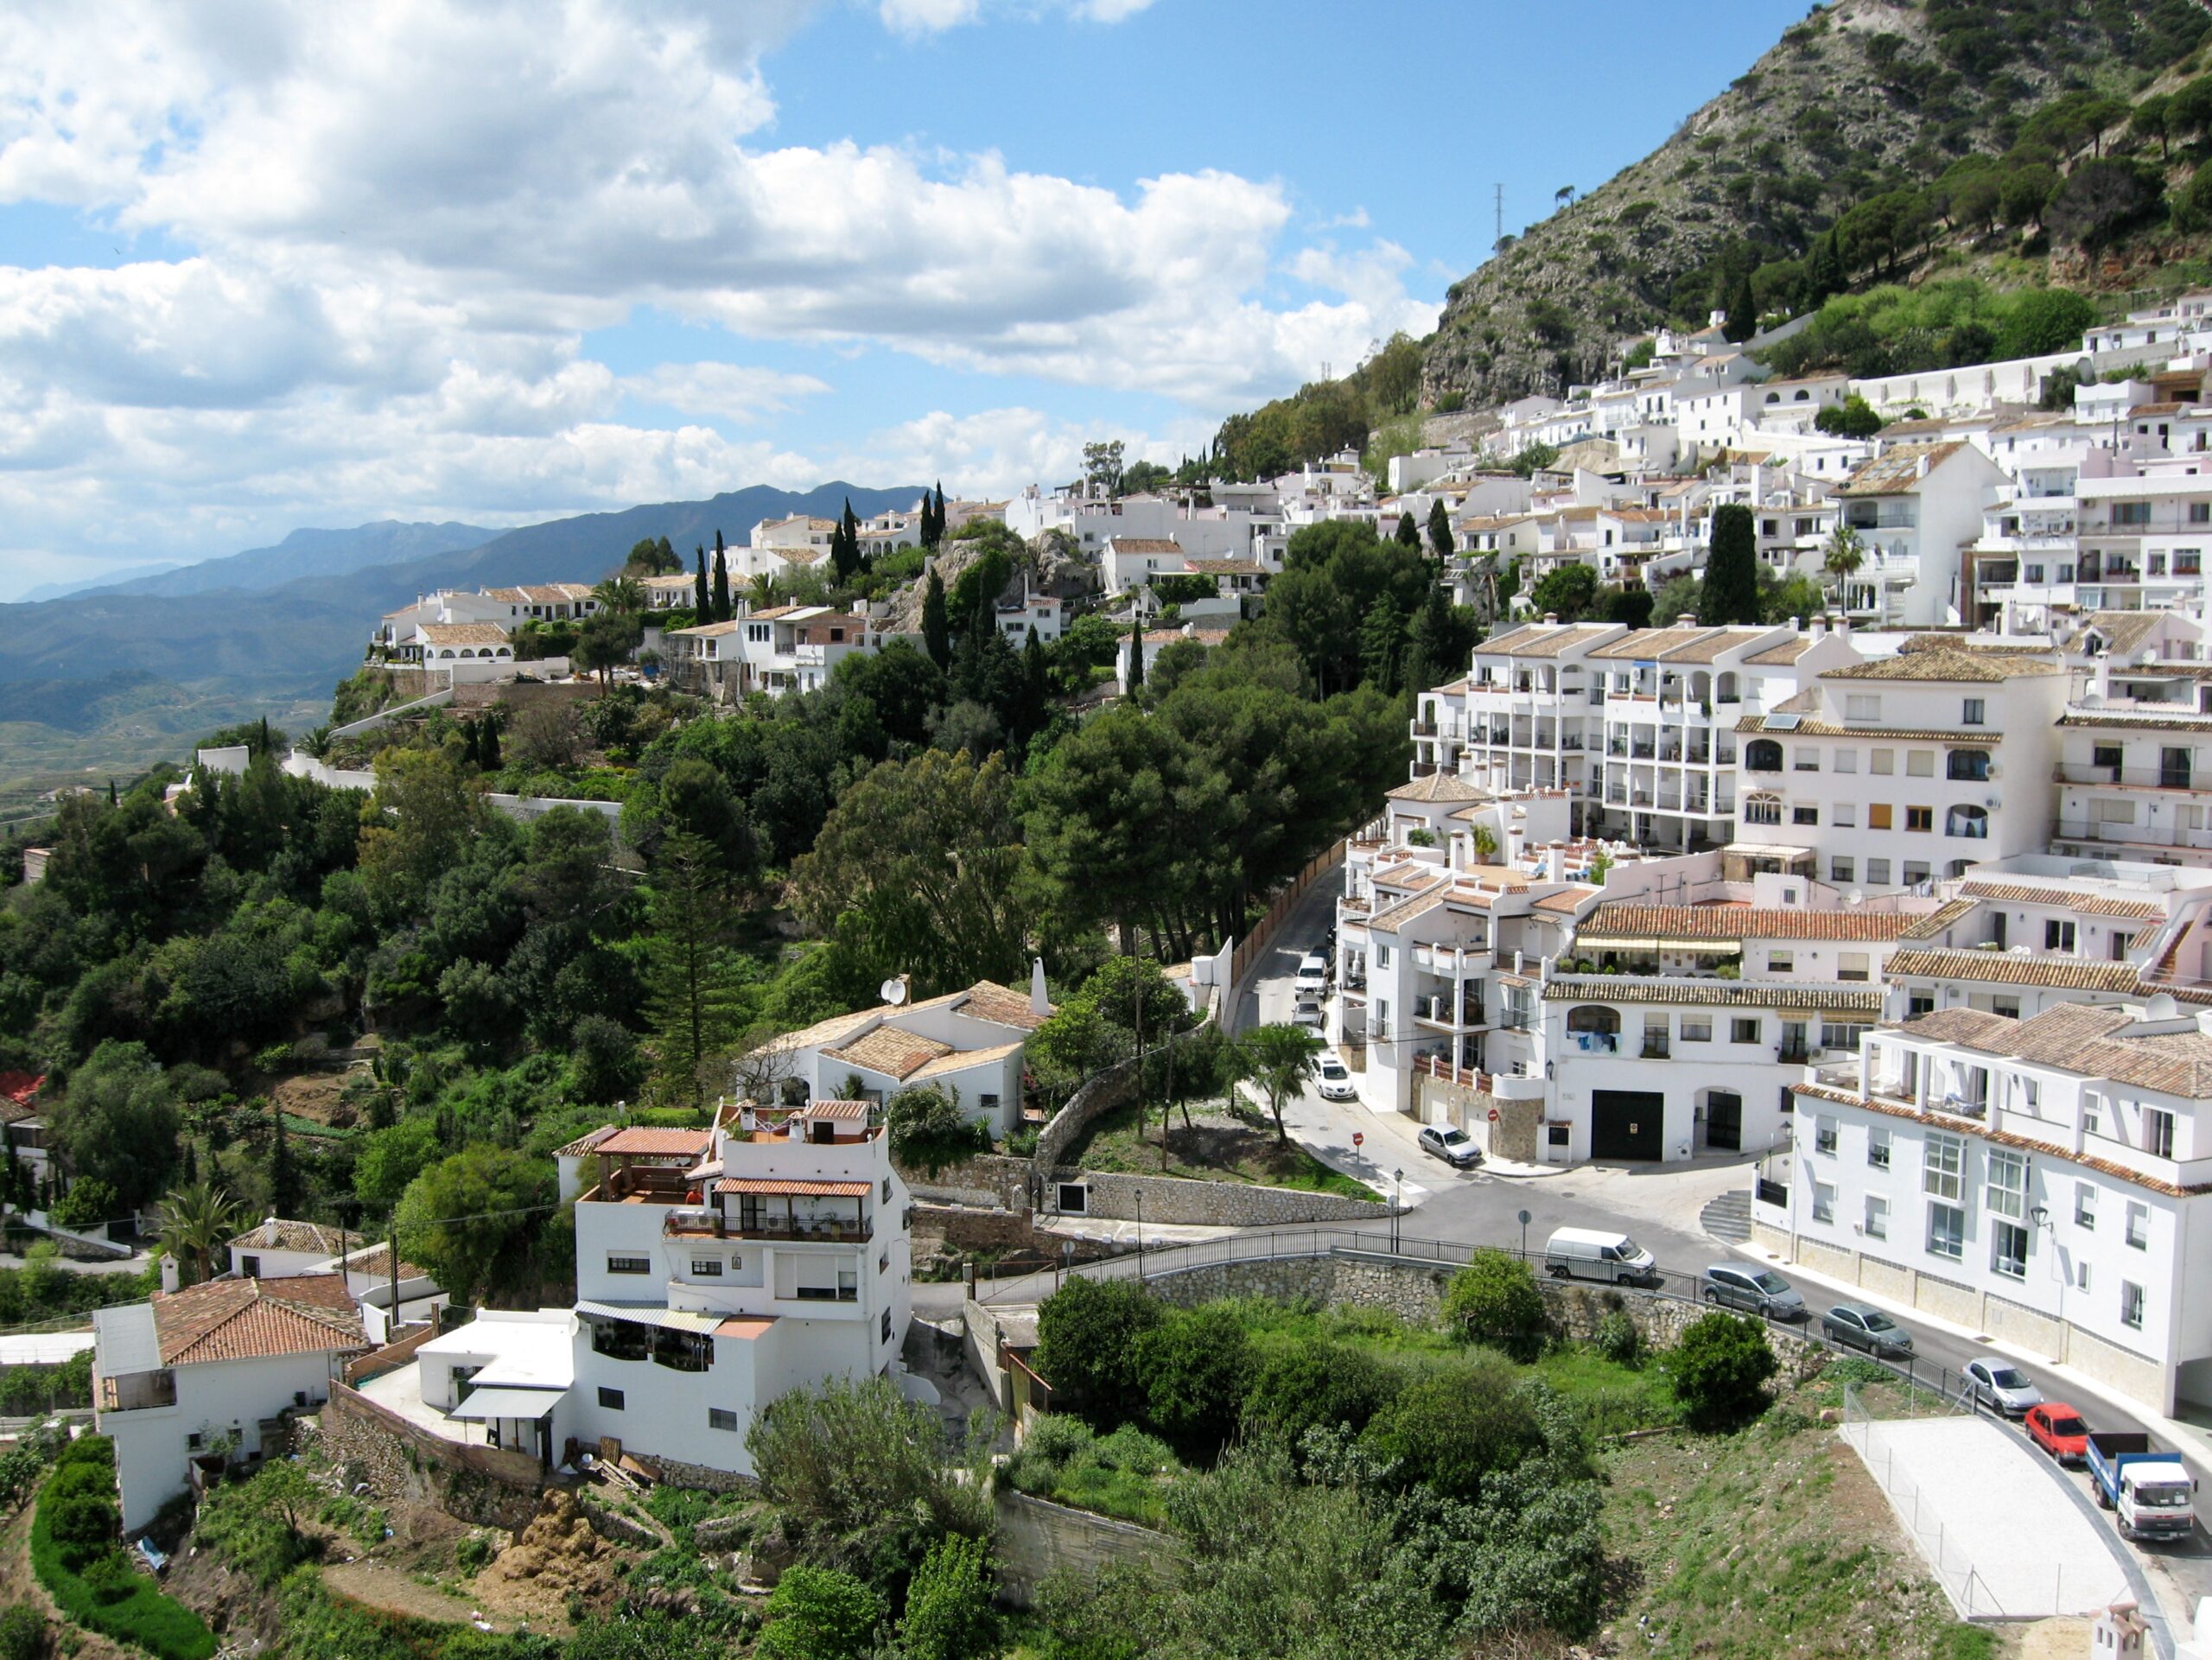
pixel 1037 1538
pixel 370 1445
pixel 1178 1199
pixel 988 1181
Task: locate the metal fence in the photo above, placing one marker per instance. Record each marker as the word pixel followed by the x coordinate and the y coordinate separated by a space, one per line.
pixel 1961 1582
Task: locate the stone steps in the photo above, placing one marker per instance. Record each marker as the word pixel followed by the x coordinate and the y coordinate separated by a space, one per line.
pixel 1728 1217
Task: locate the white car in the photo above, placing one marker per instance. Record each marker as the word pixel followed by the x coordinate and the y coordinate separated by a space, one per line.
pixel 1336 1080
pixel 1312 976
pixel 2006 1388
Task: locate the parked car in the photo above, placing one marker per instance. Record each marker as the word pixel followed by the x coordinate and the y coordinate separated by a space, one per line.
pixel 1308 1013
pixel 2058 1429
pixel 1312 976
pixel 1336 1080
pixel 1451 1144
pixel 1858 1326
pixel 1594 1254
pixel 1758 1290
pixel 2006 1388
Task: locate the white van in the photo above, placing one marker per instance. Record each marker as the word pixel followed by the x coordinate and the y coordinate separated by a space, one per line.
pixel 1595 1254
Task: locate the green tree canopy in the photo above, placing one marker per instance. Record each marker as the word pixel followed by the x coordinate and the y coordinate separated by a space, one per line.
pixel 477 1221
pixel 1730 594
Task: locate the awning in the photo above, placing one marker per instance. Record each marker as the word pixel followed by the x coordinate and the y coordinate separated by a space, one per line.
pixel 666 1320
pixel 1766 850
pixel 530 1404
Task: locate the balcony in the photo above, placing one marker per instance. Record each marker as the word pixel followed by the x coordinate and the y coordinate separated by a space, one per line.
pixel 2149 835
pixel 144 1391
pixel 2129 778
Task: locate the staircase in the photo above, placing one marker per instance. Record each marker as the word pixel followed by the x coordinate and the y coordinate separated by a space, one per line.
pixel 1728 1217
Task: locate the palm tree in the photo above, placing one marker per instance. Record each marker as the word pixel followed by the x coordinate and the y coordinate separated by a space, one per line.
pixel 1842 556
pixel 197 1221
pixel 764 592
pixel 619 595
pixel 1563 195
pixel 1281 1060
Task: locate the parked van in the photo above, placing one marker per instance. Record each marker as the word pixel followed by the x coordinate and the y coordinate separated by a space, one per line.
pixel 1594 1254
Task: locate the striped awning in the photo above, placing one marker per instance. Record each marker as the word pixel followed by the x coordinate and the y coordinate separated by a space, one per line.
pixel 666 1320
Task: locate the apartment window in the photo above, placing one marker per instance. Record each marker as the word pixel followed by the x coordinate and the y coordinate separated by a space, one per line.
pixel 617 1263
pixel 2008 1250
pixel 1877 1148
pixel 2093 1113
pixel 1697 1028
pixel 1843 870
pixel 1920 818
pixel 2200 513
pixel 1844 760
pixel 1862 708
pixel 2082 1275
pixel 1853 965
pixel 1744 1031
pixel 1762 810
pixel 2006 1190
pixel 720 1418
pixel 1381 957
pixel 1882 762
pixel 1972 713
pixel 1878 815
pixel 194 1442
pixel 2131 512
pixel 706 1267
pixel 1844 814
pixel 1804 815
pixel 1877 1217
pixel 1877 870
pixel 1915 872
pixel 1920 763
pixel 1805 760
pixel 2157 1132
pixel 2027 1095
pixel 1947 1232
pixel 2058 936
pixel 1917 1003
pixel 1780 961
pixel 1942 1166
pixel 2131 1304
pixel 2189 562
pixel 1824 1136
pixel 1823 1202
pixel 2085 1208
pixel 611 1399
pixel 2138 1224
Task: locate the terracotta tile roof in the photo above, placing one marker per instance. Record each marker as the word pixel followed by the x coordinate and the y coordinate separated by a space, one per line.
pixel 653 1141
pixel 1719 922
pixel 1950 911
pixel 2015 969
pixel 2179 718
pixel 1404 911
pixel 277 1234
pixel 986 1000
pixel 1942 660
pixel 584 1143
pixel 1714 643
pixel 2126 631
pixel 795 1189
pixel 1439 786
pixel 1971 737
pixel 960 1060
pixel 1897 471
pixel 462 633
pixel 837 1110
pixel 22 1088
pixel 2077 1038
pixel 1781 656
pixel 1534 639
pixel 1143 544
pixel 1201 636
pixel 1649 643
pixel 890 1050
pixel 1567 900
pixel 1714 994
pixel 2088 904
pixel 254 1320
pixel 375 1261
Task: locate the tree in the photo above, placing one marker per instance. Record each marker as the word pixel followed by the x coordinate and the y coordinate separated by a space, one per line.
pixel 415 827
pixel 918 868
pixel 2150 120
pixel 845 546
pixel 605 641
pixel 89 1204
pixel 937 629
pixel 392 1157
pixel 284 1192
pixel 2040 321
pixel 603 1059
pixel 1720 1369
pixel 1452 1429
pixel 619 596
pixel 1281 1060
pixel 1628 606
pixel 2025 191
pixel 949 1611
pixel 474 1221
pixel 690 986
pixel 1841 556
pixel 1194 1366
pixel 1101 468
pixel 196 1221
pixel 1566 592
pixel 1743 310
pixel 723 610
pixel 2103 201
pixel 820 1613
pixel 1732 581
pixel 1135 680
pixel 1853 418
pixel 1409 532
pixel 117 1124
pixel 702 602
pixel 1381 646
pixel 1439 529
pixel 1087 1337
pixel 840 1457
pixel 1495 1300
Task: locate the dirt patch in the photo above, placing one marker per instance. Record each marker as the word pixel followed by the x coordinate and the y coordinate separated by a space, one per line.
pixel 381 1585
pixel 319 1097
pixel 19 1584
pixel 556 1558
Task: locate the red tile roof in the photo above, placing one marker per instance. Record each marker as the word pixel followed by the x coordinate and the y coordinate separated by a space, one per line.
pixel 646 1139
pixel 254 1320
pixel 798 1189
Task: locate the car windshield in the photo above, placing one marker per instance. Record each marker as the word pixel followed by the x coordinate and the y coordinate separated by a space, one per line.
pixel 1450 1136
pixel 2068 1427
pixel 1627 1250
pixel 1773 1284
pixel 2005 1378
pixel 1333 1069
pixel 2165 1499
pixel 1875 1321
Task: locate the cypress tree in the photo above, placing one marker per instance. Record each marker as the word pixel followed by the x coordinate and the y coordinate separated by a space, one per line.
pixel 937 627
pixel 1743 309
pixel 722 613
pixel 1439 528
pixel 1409 532
pixel 702 602
pixel 1732 579
pixel 490 725
pixel 1825 274
pixel 1136 651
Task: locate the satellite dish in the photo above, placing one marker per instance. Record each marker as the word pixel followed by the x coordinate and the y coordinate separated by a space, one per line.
pixel 1856 896
pixel 893 991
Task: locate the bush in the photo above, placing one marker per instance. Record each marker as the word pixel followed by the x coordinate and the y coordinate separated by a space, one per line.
pixel 106 1595
pixel 1720 1368
pixel 1308 1383
pixel 928 1130
pixel 23 1633
pixel 838 1458
pixel 1451 1428
pixel 817 1614
pixel 1193 1366
pixel 472 1556
pixel 1087 1334
pixel 1619 1338
pixel 1495 1300
pixel 949 1615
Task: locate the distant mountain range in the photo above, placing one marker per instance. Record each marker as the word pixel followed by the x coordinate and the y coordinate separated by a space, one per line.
pixel 62 590
pixel 279 627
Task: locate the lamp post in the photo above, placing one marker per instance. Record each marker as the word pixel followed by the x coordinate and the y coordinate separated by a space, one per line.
pixel 1397 1207
pixel 1139 1233
pixel 1067 1262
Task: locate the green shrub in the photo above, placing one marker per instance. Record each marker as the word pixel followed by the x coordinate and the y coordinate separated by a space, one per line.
pixel 1302 1384
pixel 1450 1429
pixel 472 1556
pixel 1087 1335
pixel 1193 1365
pixel 1495 1300
pixel 23 1633
pixel 106 1595
pixel 1720 1368
pixel 949 1615
pixel 1619 1338
pixel 818 1614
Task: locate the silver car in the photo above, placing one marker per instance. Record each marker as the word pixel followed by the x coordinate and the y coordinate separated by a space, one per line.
pixel 2006 1388
pixel 1756 1290
pixel 1451 1144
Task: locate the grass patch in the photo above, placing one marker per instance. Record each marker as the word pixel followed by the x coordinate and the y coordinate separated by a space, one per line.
pixel 1614 1398
pixel 1125 1474
pixel 1218 1147
pixel 75 1554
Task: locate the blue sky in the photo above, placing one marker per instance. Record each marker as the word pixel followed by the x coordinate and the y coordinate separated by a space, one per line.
pixel 264 266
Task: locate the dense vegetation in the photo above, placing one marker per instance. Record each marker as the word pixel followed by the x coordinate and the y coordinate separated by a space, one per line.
pixel 77 1553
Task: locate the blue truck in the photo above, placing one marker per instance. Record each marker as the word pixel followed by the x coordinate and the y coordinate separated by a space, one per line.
pixel 2150 1493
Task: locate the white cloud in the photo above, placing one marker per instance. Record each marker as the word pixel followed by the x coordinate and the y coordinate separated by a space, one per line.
pixel 926 16
pixel 728 392
pixel 1109 11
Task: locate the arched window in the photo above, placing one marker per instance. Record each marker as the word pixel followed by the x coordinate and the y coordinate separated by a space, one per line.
pixel 1724 689
pixel 446 651
pixel 1762 756
pixel 1967 821
pixel 1803 394
pixel 1593 1017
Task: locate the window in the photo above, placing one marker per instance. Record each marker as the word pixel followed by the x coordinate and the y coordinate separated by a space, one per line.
pixel 2008 1250
pixel 1780 961
pixel 1878 815
pixel 1966 765
pixel 618 1263
pixel 1844 760
pixel 1762 756
pixel 1942 1166
pixel 1823 1202
pixel 1804 815
pixel 1381 957
pixel 1843 870
pixel 1862 706
pixel 2085 1208
pixel 1972 715
pixel 1920 818
pixel 1744 1031
pixel 2006 1191
pixel 2131 512
pixel 2200 513
pixel 720 1418
pixel 2027 1096
pixel 194 1442
pixel 1762 810
pixel 1697 1028
pixel 251 1266
pixel 1877 1217
pixel 1920 763
pixel 1853 965
pixel 2058 936
pixel 1947 1232
pixel 1877 1148
pixel 1914 872
pixel 1882 762
pixel 611 1399
pixel 2131 1304
pixel 2093 1113
pixel 2157 1132
pixel 1824 1136
pixel 1844 814
pixel 1967 821
pixel 2189 561
pixel 1877 870
pixel 1805 760
pixel 2139 1225
pixel 706 1267
pixel 887 1326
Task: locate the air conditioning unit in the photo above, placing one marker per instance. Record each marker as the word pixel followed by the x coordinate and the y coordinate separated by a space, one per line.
pixel 1996 771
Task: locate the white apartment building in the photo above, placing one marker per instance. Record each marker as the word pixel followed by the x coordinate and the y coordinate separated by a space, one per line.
pixel 779 650
pixel 210 1374
pixel 2135 773
pixel 2042 1179
pixel 1903 769
pixel 2144 523
pixel 1915 507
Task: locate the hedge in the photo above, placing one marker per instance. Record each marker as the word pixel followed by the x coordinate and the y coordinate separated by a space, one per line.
pixel 106 1594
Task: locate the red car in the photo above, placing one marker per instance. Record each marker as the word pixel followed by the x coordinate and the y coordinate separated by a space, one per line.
pixel 2058 1429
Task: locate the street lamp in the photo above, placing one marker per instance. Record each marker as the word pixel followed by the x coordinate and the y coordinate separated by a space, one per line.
pixel 1139 1233
pixel 1067 1262
pixel 1397 1207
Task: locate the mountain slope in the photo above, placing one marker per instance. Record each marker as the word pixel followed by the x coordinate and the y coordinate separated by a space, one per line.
pixel 307 553
pixel 62 590
pixel 1863 96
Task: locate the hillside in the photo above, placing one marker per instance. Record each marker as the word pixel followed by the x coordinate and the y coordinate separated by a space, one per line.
pixel 146 666
pixel 1863 97
pixel 305 552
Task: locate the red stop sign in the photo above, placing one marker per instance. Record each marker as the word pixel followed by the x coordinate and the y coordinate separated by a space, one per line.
pixel 1359 1138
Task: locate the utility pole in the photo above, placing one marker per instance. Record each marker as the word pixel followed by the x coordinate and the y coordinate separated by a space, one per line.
pixel 1499 197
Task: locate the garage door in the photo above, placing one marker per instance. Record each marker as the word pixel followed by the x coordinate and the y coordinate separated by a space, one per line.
pixel 1724 1121
pixel 1626 1124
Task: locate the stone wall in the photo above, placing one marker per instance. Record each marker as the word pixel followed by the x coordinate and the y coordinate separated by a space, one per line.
pixel 1037 1538
pixel 988 1181
pixel 964 1229
pixel 1516 1136
pixel 1114 1194
pixel 368 1447
pixel 1109 1090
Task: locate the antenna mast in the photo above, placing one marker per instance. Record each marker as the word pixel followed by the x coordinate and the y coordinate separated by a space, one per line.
pixel 1500 199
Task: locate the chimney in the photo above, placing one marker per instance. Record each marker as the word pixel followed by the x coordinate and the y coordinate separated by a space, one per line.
pixel 1686 620
pixel 1040 1004
pixel 1551 617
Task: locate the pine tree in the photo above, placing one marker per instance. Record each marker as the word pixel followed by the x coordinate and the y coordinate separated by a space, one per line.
pixel 691 990
pixel 1381 646
pixel 1743 309
pixel 1409 532
pixel 721 609
pixel 1136 652
pixel 1439 529
pixel 1426 665
pixel 937 627
pixel 1731 594
pixel 702 603
pixel 1825 275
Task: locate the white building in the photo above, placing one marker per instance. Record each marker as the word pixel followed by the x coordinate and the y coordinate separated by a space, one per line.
pixel 210 1374
pixel 782 649
pixel 1916 508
